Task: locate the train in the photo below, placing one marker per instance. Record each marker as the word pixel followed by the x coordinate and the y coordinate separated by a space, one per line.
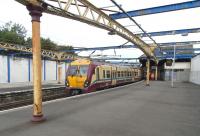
pixel 85 76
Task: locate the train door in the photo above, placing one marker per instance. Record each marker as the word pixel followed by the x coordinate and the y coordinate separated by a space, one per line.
pixel 97 74
pixel 113 76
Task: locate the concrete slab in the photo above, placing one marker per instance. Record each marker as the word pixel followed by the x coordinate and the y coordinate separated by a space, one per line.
pixel 136 109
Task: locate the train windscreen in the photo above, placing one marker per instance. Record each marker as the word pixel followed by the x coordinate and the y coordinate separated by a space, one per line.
pixel 73 70
pixel 83 70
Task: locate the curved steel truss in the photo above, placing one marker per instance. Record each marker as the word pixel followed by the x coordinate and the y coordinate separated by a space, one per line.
pixel 46 53
pixel 84 11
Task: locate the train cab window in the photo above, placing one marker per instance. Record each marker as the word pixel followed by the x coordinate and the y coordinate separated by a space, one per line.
pixel 108 74
pixel 104 74
pixel 73 70
pixel 83 70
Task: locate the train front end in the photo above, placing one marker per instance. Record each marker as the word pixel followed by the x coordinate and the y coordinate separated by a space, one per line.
pixel 76 76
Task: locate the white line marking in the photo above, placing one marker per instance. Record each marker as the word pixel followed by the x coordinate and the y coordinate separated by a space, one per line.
pixel 67 98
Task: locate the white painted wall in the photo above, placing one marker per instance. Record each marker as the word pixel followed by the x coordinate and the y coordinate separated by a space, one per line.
pixel 181 72
pixel 3 69
pixel 179 65
pixel 31 70
pixel 18 69
pixel 64 69
pixel 50 70
pixel 195 70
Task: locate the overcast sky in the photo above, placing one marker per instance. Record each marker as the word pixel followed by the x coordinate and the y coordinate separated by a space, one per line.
pixel 70 32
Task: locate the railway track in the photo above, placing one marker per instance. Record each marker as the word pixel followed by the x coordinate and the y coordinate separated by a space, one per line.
pixel 22 98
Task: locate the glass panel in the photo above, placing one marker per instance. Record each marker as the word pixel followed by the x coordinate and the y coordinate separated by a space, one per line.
pixel 83 70
pixel 108 74
pixel 72 70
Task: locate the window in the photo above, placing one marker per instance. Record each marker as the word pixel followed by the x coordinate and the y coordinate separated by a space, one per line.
pixel 118 73
pixel 73 70
pixel 122 74
pixel 83 70
pixel 108 74
pixel 136 73
pixel 125 73
pixel 113 74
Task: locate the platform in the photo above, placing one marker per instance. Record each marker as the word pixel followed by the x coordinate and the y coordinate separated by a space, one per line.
pixel 132 110
pixel 14 87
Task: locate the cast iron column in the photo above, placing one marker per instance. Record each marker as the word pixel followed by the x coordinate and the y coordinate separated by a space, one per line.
pixel 156 73
pixel 36 13
pixel 147 76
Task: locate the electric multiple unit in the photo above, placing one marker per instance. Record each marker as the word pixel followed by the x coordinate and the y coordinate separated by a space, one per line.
pixel 84 76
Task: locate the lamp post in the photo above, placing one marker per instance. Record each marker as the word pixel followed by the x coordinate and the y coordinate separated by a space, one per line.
pixel 172 73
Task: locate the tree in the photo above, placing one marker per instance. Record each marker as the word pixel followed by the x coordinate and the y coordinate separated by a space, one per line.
pixel 16 34
pixel 13 33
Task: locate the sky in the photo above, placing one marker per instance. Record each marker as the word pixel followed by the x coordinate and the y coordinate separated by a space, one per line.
pixel 69 32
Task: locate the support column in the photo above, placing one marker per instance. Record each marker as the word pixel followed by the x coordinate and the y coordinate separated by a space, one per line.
pixel 36 13
pixel 147 75
pixel 156 73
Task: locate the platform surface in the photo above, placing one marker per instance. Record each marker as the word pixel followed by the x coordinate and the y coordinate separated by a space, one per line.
pixel 12 87
pixel 134 110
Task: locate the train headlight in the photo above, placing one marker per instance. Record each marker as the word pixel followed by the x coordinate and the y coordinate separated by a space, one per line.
pixel 67 83
pixel 86 84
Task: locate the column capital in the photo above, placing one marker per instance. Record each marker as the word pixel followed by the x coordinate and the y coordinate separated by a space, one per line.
pixel 35 12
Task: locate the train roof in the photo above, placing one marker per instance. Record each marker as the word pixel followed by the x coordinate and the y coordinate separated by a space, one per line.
pixel 88 61
pixel 81 62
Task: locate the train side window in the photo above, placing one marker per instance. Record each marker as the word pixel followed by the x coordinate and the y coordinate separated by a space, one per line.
pixel 122 74
pixel 97 74
pixel 113 75
pixel 108 74
pixel 104 74
pixel 118 73
pixel 135 73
